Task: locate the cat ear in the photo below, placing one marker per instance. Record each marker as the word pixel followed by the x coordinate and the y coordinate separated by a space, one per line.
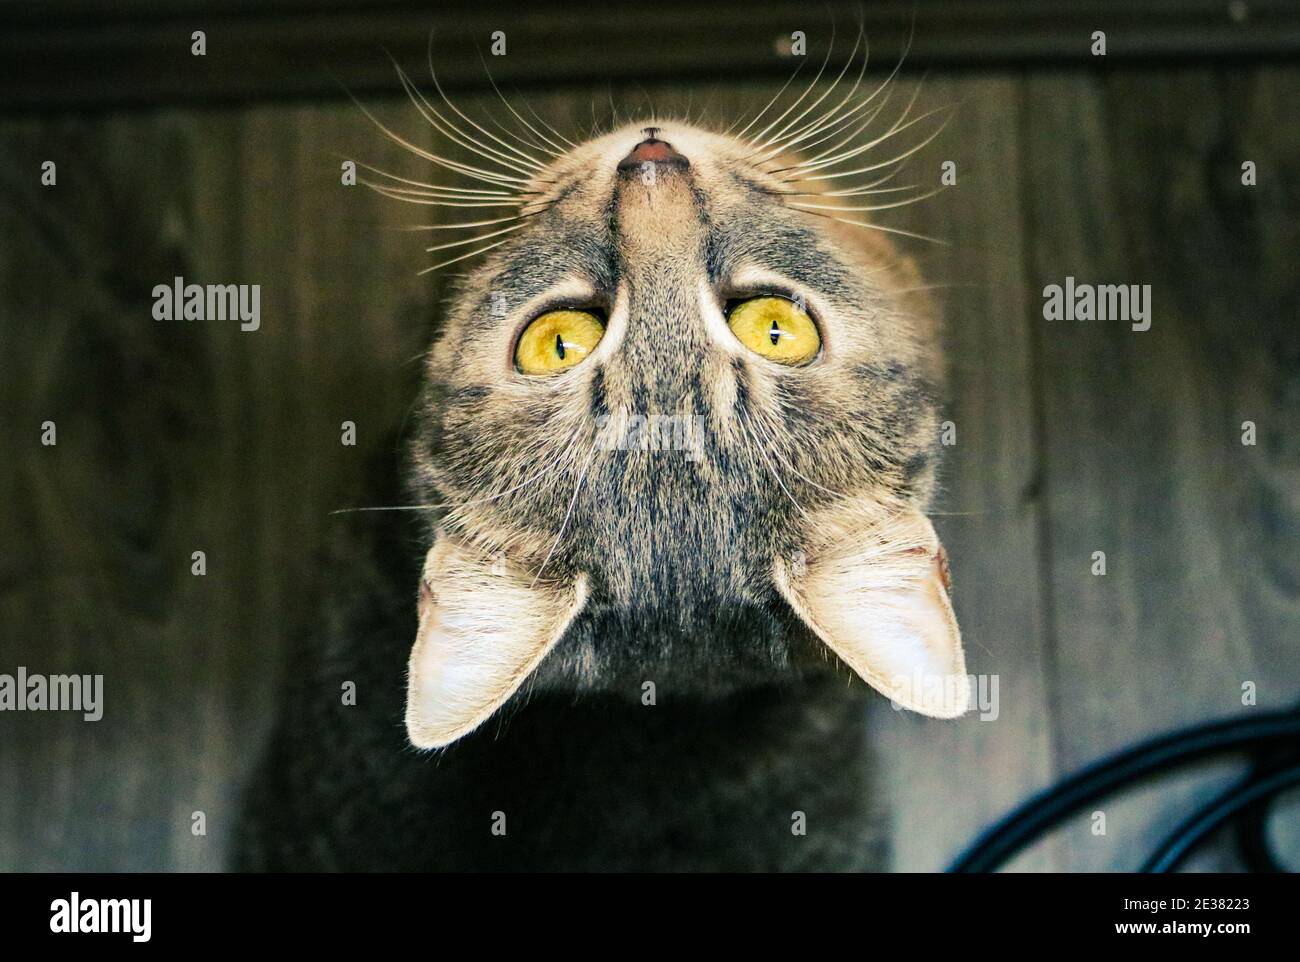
pixel 877 596
pixel 484 628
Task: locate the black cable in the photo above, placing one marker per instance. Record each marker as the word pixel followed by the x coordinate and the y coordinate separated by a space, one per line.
pixel 1182 840
pixel 1251 829
pixel 1003 840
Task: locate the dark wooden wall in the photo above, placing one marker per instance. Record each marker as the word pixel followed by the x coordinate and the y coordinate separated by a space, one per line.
pixel 1073 437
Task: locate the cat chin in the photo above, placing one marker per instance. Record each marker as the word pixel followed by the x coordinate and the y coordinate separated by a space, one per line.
pixel 639 665
pixel 655 687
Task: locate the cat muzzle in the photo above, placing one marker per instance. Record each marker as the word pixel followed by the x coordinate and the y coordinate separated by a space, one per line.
pixel 652 151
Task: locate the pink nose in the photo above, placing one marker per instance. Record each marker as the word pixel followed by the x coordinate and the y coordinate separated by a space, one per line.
pixel 652 150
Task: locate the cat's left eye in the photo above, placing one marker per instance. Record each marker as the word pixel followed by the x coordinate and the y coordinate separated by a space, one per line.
pixel 558 340
pixel 775 327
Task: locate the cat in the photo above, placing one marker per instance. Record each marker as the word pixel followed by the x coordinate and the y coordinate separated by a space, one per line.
pixel 675 449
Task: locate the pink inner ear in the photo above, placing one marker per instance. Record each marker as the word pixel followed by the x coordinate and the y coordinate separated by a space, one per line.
pixel 881 604
pixel 941 558
pixel 481 634
pixel 945 569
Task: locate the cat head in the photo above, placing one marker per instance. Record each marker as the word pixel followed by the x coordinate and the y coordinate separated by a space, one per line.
pixel 683 431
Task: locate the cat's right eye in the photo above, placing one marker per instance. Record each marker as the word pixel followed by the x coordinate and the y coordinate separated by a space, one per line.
pixel 557 340
pixel 775 327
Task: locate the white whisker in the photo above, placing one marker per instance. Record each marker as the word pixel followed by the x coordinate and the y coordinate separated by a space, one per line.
pixel 899 203
pixel 850 191
pixel 453 133
pixel 462 257
pixel 473 240
pixel 527 158
pixel 829 123
pixel 470 223
pixel 542 142
pixel 807 90
pixel 577 489
pixel 740 134
pixel 475 173
pixel 549 126
pixel 871 167
pixel 858 127
pixel 859 190
pixel 882 228
pixel 857 193
pixel 742 417
pixel 437 201
pixel 479 191
pixel 893 74
pixel 831 158
pixel 784 131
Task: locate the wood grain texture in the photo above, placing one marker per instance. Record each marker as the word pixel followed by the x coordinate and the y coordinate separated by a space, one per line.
pixel 949 779
pixel 93 54
pixel 1072 437
pixel 176 437
pixel 1138 181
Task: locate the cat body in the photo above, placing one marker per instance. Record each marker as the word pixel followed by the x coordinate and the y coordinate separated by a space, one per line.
pixel 770 779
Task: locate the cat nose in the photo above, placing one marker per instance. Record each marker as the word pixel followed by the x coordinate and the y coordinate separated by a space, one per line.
pixel 652 150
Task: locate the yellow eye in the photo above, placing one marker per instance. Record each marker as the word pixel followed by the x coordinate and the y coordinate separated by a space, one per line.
pixel 776 328
pixel 557 340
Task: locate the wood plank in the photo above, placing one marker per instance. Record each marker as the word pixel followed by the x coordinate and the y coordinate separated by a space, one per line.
pixel 155 460
pixel 94 580
pixel 1136 179
pixel 949 779
pixel 91 53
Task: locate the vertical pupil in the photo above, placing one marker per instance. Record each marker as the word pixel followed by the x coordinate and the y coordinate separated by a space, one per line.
pixel 559 346
pixel 775 333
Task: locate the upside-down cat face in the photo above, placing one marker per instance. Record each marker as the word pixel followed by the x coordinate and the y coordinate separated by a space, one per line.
pixel 651 483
